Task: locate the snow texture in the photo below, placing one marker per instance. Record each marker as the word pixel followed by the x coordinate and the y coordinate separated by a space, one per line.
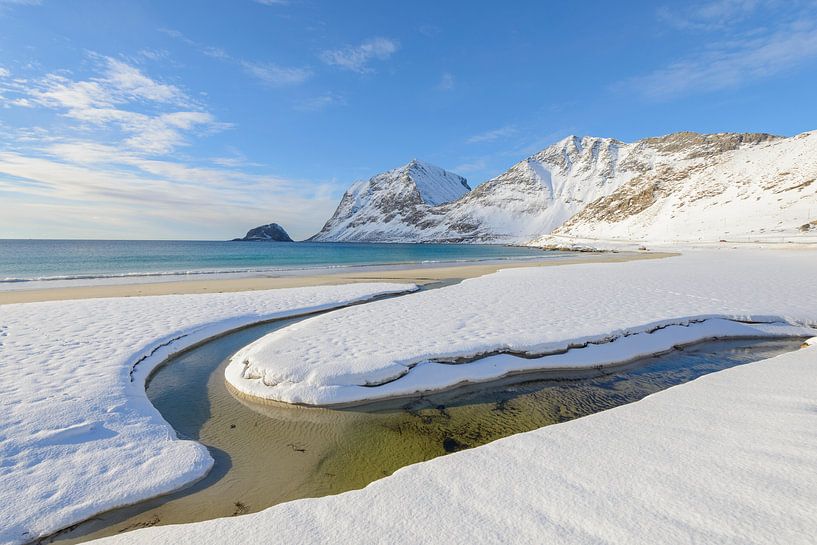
pixel 617 311
pixel 728 458
pixel 77 434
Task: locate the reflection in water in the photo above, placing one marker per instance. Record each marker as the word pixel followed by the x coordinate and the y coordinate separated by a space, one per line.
pixel 270 453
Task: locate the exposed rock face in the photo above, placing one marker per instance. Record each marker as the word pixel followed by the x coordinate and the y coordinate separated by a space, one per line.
pixel 682 186
pixel 270 232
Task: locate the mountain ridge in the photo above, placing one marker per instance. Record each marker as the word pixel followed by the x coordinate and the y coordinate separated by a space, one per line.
pixel 587 186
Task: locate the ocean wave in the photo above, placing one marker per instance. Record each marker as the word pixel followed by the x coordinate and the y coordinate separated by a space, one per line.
pixel 100 276
pixel 255 270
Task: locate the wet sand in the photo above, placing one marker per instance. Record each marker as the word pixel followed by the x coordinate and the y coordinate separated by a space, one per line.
pixel 416 274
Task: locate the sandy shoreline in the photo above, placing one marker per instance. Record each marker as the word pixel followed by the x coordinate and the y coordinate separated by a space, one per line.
pixel 416 274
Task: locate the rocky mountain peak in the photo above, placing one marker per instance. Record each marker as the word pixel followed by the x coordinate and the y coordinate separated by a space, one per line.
pixel 394 198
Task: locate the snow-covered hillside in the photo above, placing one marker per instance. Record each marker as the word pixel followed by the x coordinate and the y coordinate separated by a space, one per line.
pixel 392 206
pixel 765 191
pixel 683 186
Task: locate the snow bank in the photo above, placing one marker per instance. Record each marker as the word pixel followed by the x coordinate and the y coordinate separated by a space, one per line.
pixel 727 458
pixel 77 433
pixel 397 347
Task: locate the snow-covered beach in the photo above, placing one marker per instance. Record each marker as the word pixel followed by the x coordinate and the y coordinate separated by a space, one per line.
pixel 530 318
pixel 81 437
pixel 78 433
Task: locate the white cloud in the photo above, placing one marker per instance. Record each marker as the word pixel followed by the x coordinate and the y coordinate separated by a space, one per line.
pixel 356 58
pixel 272 2
pixel 275 75
pixel 4 73
pixel 730 64
pixel 492 135
pixel 447 82
pixel 124 99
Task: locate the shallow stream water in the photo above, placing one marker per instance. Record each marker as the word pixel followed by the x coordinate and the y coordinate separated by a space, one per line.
pixel 269 453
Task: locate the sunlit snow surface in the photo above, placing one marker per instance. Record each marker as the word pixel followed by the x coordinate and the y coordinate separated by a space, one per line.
pixel 77 433
pixel 624 310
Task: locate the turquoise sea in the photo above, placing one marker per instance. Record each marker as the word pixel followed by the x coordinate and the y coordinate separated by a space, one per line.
pixel 29 260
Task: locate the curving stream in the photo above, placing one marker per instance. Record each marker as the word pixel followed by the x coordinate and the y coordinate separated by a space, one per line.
pixel 269 453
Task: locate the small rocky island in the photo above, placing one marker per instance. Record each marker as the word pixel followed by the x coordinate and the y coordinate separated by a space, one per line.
pixel 271 232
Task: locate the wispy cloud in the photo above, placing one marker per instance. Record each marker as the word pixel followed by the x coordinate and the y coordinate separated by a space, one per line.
pixel 5 4
pixel 731 63
pixel 268 73
pixel 319 103
pixel 447 82
pixel 357 58
pixel 710 15
pixel 272 2
pixel 151 54
pixel 275 75
pixel 492 135
pixel 477 165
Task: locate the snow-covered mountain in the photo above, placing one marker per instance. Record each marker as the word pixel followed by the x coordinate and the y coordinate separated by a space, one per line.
pixel 392 206
pixel 718 187
pixel 683 186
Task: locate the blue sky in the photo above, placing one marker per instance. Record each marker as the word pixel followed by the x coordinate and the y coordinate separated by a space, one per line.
pixel 201 119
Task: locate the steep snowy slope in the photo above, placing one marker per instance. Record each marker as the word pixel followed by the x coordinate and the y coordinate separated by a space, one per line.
pixel 391 206
pixel 683 186
pixel 538 194
pixel 760 192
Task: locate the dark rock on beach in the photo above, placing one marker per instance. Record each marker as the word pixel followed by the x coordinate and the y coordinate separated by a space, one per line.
pixel 271 232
